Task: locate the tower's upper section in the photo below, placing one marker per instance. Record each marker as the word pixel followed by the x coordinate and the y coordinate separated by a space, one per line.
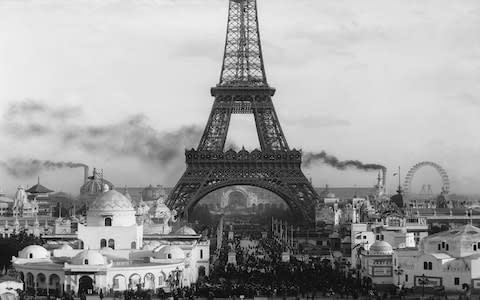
pixel 242 60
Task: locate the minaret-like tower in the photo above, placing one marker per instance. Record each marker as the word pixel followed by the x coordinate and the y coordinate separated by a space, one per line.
pixel 243 89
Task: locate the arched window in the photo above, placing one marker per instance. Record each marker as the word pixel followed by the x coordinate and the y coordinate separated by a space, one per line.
pixel 169 255
pixel 425 265
pixel 201 253
pixel 103 243
pixel 85 261
pixel 111 243
pixel 446 247
pixel 108 221
pixel 30 255
pixel 133 245
pixel 430 265
pixel 161 280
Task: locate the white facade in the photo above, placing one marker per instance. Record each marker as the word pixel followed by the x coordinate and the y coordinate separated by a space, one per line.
pixel 114 255
pixel 450 259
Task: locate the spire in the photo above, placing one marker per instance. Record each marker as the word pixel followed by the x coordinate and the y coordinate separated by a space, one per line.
pixel 243 60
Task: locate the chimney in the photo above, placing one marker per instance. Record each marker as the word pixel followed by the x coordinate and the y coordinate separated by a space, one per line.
pixel 384 178
pixel 85 174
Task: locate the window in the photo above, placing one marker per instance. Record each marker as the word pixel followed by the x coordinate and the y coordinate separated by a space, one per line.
pixel 474 247
pixel 406 277
pixel 108 221
pixel 169 256
pixel 133 245
pixel 364 237
pixel 439 246
pixel 446 247
pixel 161 280
pixel 430 265
pixel 103 243
pixel 456 281
pixel 425 265
pixel 443 245
pixel 201 253
pixel 111 243
pixel 30 255
pixel 85 262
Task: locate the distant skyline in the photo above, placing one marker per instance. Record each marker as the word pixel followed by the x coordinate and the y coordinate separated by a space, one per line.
pixel 123 85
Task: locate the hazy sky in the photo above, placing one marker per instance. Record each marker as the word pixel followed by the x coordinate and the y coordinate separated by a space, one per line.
pixel 382 81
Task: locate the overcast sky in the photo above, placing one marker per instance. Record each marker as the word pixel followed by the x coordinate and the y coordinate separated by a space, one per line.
pixel 381 81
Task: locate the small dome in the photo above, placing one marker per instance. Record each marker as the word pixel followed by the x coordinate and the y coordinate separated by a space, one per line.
pixel 160 210
pixel 147 247
pixel 65 247
pixel 111 201
pixel 151 193
pixel 5 199
pixel 169 252
pixel 185 230
pixel 95 184
pixel 89 257
pixel 330 195
pixel 34 252
pixel 381 248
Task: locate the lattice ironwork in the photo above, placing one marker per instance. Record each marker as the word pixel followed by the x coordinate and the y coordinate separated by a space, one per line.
pixel 243 89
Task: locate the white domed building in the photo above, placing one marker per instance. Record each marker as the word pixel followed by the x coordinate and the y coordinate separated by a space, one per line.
pixel 376 262
pixel 114 254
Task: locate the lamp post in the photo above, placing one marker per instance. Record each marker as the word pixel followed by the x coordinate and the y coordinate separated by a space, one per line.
pixel 398 272
pixel 423 281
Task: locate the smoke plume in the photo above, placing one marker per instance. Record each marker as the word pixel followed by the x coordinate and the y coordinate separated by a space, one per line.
pixel 309 158
pixel 131 137
pixel 30 167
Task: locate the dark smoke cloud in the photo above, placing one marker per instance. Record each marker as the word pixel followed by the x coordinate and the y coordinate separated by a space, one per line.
pixel 30 107
pixel 309 158
pixel 132 137
pixel 31 167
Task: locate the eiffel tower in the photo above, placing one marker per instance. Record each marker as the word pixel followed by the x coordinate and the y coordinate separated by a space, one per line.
pixel 243 89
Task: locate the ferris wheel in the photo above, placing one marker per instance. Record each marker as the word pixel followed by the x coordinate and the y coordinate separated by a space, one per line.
pixel 415 168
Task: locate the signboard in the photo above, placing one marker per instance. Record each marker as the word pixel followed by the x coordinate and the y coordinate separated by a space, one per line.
pixel 381 271
pixel 476 283
pixel 428 281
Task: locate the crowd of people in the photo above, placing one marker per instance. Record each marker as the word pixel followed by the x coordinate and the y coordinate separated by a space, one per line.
pixel 260 271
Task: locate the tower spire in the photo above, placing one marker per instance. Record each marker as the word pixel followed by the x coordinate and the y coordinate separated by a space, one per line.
pixel 242 59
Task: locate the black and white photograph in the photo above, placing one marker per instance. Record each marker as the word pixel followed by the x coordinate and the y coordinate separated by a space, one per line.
pixel 240 149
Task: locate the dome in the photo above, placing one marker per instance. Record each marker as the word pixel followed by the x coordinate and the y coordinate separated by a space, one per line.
pixel 151 193
pixel 5 199
pixel 381 248
pixel 111 201
pixel 185 230
pixel 34 252
pixel 95 184
pixel 89 257
pixel 160 210
pixel 330 195
pixel 65 247
pixel 147 247
pixel 170 252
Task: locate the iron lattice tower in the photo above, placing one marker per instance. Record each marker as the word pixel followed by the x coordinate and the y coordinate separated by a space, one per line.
pixel 243 89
